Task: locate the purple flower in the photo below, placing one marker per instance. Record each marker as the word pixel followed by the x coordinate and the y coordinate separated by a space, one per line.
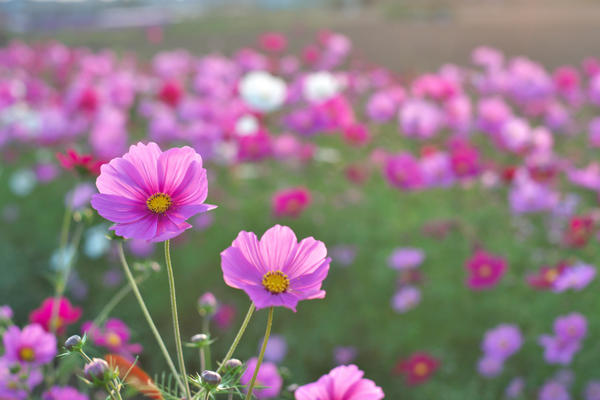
pixel 268 379
pixel 490 366
pixel 80 196
pixel 515 388
pixel 420 118
pixel 502 341
pixel 553 390
pixel 557 351
pixel 406 299
pixel 31 346
pixel 276 349
pixel 577 278
pixel 528 196
pixel 572 327
pixel 592 391
pixel 17 383
pixel 343 255
pixel 344 354
pixel 6 313
pixel 406 258
pixel 63 393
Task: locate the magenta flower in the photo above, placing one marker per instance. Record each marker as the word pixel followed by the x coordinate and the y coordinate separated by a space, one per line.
pixel 62 311
pixel 149 194
pixel 404 172
pixel 345 382
pixel 268 379
pixel 485 270
pixel 277 270
pixel 32 345
pixel 114 336
pixel 63 393
pixel 291 202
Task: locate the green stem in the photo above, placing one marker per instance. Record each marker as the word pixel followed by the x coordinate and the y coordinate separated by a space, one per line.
pixel 206 349
pixel 262 353
pixel 238 337
pixel 178 344
pixel 138 296
pixel 115 300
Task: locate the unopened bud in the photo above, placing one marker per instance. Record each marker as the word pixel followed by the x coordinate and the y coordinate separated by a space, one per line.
pixel 210 378
pixel 96 370
pixel 233 364
pixel 73 343
pixel 207 304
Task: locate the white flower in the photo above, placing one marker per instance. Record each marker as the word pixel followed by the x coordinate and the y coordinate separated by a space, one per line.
pixel 320 86
pixel 246 125
pixel 262 91
pixel 22 182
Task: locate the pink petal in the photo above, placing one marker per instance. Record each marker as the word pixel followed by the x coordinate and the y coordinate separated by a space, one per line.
pixel 173 166
pixel 237 271
pixel 277 246
pixel 309 255
pixel 144 228
pixel 145 158
pixel 247 243
pixel 118 209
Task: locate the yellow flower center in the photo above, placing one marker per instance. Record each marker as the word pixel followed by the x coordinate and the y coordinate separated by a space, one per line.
pixel 551 275
pixel 113 339
pixel 275 282
pixel 485 271
pixel 27 354
pixel 159 203
pixel 56 323
pixel 421 369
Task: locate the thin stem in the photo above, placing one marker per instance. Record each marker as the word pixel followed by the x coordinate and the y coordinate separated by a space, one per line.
pixel 115 300
pixel 206 349
pixel 262 353
pixel 202 359
pixel 238 337
pixel 147 315
pixel 178 344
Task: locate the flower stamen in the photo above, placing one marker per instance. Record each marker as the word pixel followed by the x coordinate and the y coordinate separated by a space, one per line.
pixel 275 282
pixel 159 203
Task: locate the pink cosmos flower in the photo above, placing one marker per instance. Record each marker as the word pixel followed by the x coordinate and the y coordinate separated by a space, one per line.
pixel 277 270
pixel 55 315
pixel 63 393
pixel 17 383
pixel 345 382
pixel 485 270
pixel 115 336
pixel 404 172
pixel 291 202
pixel 149 194
pixel 32 345
pixel 268 378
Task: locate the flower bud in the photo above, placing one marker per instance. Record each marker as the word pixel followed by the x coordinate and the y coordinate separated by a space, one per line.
pixel 210 378
pixel 73 343
pixel 97 370
pixel 233 363
pixel 207 305
pixel 200 340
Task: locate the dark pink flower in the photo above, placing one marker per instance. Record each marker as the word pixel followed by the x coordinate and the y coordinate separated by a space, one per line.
pixel 291 202
pixel 485 270
pixel 55 314
pixel 418 368
pixel 114 336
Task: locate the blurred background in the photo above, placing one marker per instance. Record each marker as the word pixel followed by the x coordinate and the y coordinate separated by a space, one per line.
pixel 408 37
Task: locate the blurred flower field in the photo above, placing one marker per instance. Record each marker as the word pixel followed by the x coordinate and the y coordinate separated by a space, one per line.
pixel 458 208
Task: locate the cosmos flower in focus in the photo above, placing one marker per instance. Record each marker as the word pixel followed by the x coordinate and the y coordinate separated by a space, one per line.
pixel 149 194
pixel 276 270
pixel 345 382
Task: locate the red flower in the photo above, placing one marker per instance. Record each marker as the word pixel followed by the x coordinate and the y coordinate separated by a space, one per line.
pixel 134 376
pixel 418 368
pixel 170 93
pixel 55 314
pixel 82 163
pixel 546 276
pixel 579 231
